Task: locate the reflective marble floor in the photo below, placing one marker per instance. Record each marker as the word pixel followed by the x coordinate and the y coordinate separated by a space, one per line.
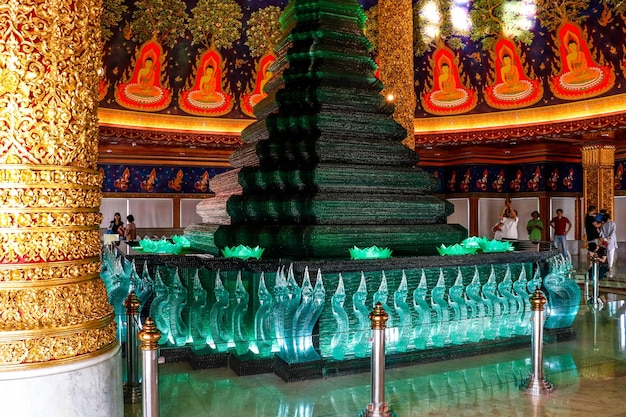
pixel 589 376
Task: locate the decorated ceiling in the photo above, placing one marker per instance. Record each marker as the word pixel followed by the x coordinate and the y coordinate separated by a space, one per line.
pixel 211 58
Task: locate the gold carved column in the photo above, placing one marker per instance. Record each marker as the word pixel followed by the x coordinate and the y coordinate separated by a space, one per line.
pixel 598 178
pixel 53 304
pixel 395 46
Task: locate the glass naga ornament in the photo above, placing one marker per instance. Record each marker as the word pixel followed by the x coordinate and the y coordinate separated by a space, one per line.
pixel 240 333
pixel 177 301
pixel 218 317
pixel 362 332
pixel 263 324
pixel 339 342
pixel 422 331
pixel 312 303
pixel 476 306
pixel 456 299
pixel 404 325
pixel 159 308
pixel 440 307
pixel 198 314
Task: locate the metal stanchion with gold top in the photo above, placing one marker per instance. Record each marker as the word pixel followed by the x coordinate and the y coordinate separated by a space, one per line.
pixel 378 407
pixel 132 386
pixel 536 383
pixel 149 337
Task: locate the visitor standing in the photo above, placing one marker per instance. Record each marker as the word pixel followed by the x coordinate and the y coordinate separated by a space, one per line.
pixel 561 226
pixel 509 220
pixel 130 232
pixel 534 227
pixel 116 226
pixel 592 225
pixel 609 238
pixel 597 253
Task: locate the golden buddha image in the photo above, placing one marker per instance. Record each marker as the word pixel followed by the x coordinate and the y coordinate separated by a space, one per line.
pixel 579 72
pixel 511 87
pixel 447 90
pixel 264 74
pixel 207 92
pixel 144 90
pixel 205 96
pixel 448 95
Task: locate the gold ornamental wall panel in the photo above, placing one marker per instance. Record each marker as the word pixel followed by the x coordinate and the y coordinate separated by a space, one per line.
pixel 395 45
pixel 598 162
pixel 53 304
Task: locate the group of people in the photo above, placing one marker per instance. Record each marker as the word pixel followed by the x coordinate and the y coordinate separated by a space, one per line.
pixel 599 228
pixel 601 240
pixel 128 232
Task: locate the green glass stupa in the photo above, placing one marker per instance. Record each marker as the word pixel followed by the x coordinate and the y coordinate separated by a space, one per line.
pixel 323 168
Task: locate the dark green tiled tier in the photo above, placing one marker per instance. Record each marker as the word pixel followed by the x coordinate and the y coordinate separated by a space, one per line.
pixel 333 241
pixel 324 169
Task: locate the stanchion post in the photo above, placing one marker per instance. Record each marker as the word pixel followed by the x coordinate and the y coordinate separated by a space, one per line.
pixel 132 386
pixel 149 337
pixel 378 407
pixel 537 384
pixel 596 283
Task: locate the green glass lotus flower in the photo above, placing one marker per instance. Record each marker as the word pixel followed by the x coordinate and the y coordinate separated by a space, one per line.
pixel 373 252
pixel 182 240
pixel 243 252
pixel 455 250
pixel 474 242
pixel 493 246
pixel 159 246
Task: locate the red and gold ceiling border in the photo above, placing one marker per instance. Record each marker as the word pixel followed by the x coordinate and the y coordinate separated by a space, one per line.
pixel 606 113
pixel 133 126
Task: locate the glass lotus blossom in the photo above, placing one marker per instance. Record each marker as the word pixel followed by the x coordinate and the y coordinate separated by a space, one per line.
pixel 492 246
pixel 159 246
pixel 243 252
pixel 474 242
pixel 373 252
pixel 182 240
pixel 455 250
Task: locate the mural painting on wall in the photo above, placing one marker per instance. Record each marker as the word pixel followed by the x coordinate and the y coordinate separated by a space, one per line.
pixel 580 76
pixel 448 95
pixel 495 64
pixel 263 75
pixel 145 179
pixel 206 97
pixel 512 88
pixel 531 178
pixel 263 32
pixel 144 89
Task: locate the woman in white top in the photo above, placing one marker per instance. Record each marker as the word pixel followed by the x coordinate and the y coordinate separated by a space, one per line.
pixel 607 232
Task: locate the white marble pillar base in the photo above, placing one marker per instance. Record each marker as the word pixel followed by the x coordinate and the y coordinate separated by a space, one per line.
pixel 92 387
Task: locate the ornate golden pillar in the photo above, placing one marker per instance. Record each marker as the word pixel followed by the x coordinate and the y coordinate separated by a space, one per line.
pixel 395 46
pixel 55 318
pixel 598 178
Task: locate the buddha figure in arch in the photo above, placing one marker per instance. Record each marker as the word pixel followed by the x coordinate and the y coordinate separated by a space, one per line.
pixel 579 71
pixel 144 87
pixel 512 88
pixel 207 92
pixel 511 83
pixel 206 97
pixel 447 96
pixel 264 74
pixel 144 90
pixel 446 82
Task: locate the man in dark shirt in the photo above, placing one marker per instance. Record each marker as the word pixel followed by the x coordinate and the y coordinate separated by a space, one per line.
pixel 592 226
pixel 597 253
